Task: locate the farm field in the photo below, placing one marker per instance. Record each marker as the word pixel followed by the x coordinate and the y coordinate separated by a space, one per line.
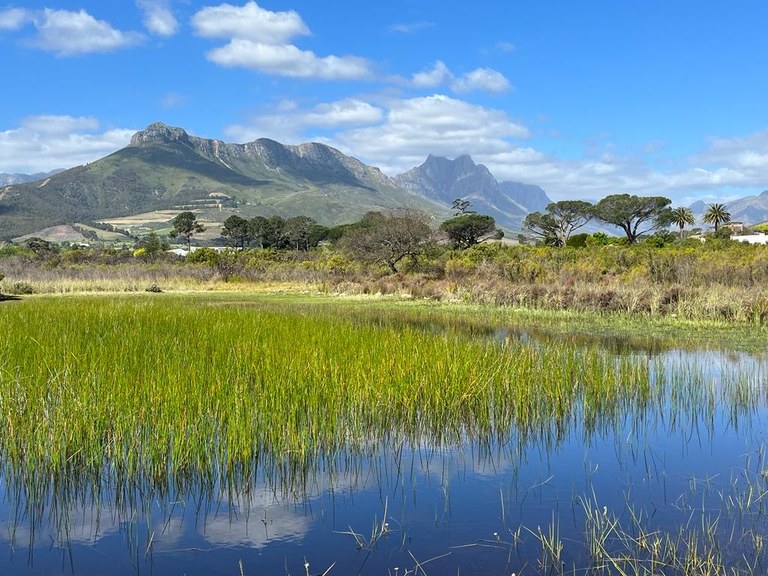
pixel 243 433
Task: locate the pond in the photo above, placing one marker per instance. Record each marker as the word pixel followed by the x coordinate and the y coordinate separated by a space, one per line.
pixel 672 480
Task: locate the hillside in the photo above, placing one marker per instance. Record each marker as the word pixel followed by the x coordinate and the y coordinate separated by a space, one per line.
pixel 166 168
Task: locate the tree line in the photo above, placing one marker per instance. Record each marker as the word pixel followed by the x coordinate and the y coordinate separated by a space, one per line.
pixel 378 237
pixel 635 215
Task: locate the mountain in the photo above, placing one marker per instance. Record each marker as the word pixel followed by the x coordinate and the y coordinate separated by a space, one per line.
pixel 445 180
pixel 7 179
pixel 165 168
pixel 749 209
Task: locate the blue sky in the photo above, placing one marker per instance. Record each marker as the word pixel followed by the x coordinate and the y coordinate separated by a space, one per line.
pixel 582 97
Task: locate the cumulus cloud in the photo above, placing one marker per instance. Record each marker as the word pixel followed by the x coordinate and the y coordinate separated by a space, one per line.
pixel 287 60
pixel 289 124
pixel 250 22
pixel 344 113
pixel 480 79
pixel 434 124
pixel 259 39
pixel 439 75
pixel 68 33
pixel 14 18
pixel 158 17
pixel 44 143
pixel 398 134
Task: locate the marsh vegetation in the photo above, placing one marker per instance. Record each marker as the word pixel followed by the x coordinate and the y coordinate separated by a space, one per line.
pixel 139 430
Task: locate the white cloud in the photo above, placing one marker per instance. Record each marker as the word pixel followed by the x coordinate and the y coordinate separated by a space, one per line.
pixel 484 79
pixel 398 134
pixel 344 113
pixel 158 17
pixel 259 39
pixel 14 18
pixel 288 60
pixel 249 22
pixel 394 135
pixel 480 79
pixel 289 124
pixel 44 143
pixel 505 46
pixel 437 76
pixel 73 33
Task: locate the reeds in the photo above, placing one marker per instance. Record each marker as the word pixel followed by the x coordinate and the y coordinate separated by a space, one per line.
pixel 109 397
pixel 159 389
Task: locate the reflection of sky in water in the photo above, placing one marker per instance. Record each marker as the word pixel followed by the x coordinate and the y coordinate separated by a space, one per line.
pixel 439 502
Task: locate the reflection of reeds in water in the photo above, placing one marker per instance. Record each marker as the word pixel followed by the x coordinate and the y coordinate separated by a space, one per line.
pixel 111 400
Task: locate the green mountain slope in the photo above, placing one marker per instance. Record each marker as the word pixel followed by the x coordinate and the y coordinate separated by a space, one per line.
pixel 166 168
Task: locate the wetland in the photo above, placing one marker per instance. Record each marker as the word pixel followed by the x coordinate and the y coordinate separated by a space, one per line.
pixel 253 434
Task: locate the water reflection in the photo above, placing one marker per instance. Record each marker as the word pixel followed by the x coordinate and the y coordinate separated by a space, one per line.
pixel 687 457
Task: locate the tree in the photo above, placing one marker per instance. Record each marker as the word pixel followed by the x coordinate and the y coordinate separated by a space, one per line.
pixel 257 228
pixel 461 206
pixel 389 237
pixel 682 216
pixel 150 247
pixel 468 229
pixel 238 229
pixel 185 224
pixel 297 232
pixel 559 222
pixel 716 214
pixel 40 247
pixel 631 212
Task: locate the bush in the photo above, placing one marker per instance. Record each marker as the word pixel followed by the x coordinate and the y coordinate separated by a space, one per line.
pixel 577 241
pixel 21 288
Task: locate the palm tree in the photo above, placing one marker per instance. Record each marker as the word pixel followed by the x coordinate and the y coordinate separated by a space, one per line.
pixel 716 214
pixel 682 216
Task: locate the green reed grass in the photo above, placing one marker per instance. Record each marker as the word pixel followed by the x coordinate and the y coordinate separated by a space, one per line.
pixel 152 388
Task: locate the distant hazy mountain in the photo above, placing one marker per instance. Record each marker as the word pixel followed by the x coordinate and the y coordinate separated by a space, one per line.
pixel 7 179
pixel 445 180
pixel 749 210
pixel 164 167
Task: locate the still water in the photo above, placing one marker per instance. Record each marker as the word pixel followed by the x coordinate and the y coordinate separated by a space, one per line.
pixel 688 473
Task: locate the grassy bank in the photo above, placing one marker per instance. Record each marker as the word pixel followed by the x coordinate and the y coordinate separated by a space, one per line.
pixel 719 281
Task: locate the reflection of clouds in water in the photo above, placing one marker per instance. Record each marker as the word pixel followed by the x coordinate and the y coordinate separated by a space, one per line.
pixel 76 525
pixel 253 521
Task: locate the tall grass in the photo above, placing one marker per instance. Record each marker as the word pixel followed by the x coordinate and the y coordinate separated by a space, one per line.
pixel 162 388
pixel 109 397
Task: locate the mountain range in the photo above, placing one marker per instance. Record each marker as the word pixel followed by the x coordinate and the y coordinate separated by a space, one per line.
pixel 749 209
pixel 165 168
pixel 6 179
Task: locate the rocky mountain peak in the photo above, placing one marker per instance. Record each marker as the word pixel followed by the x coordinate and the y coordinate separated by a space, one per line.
pixel 159 132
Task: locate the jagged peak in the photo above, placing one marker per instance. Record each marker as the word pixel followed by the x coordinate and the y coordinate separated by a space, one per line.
pixel 159 132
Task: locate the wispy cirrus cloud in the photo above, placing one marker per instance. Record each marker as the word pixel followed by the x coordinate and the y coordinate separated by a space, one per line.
pixel 260 39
